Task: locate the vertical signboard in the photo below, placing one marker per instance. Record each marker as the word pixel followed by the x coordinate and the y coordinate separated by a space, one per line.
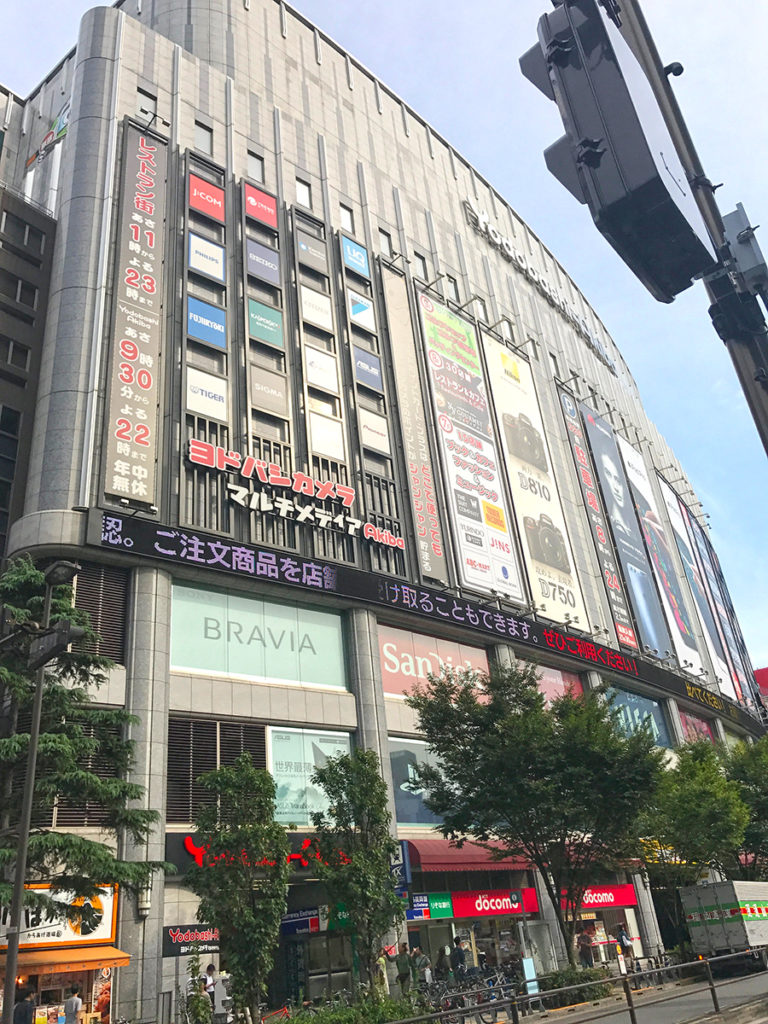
pixel 486 549
pixel 628 541
pixel 427 519
pixel 606 556
pixel 697 587
pixel 131 418
pixel 535 495
pixel 741 647
pixel 659 547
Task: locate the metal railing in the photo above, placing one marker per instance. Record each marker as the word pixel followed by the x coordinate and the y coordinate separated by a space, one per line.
pixel 479 1003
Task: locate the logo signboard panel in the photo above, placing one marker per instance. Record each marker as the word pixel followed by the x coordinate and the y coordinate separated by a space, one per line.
pixel 316 308
pixel 355 256
pixel 262 262
pixel 361 311
pixel 206 257
pixel 207 395
pixel 206 323
pixel 206 198
pixel 374 431
pixel 260 206
pixel 294 755
pixel 269 391
pixel 265 323
pixel 407 658
pixel 312 252
pixel 367 368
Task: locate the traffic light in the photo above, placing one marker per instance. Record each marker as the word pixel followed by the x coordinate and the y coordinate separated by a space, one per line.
pixel 617 155
pixel 46 647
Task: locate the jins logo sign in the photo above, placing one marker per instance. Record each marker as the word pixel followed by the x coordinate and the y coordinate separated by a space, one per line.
pixel 206 198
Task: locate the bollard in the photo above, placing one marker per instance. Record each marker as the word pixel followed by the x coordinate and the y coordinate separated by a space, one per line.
pixel 514 1015
pixel 630 1000
pixel 711 983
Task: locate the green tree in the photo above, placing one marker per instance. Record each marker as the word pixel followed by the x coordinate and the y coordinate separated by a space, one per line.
pixel 355 846
pixel 695 822
pixel 559 784
pixel 747 766
pixel 195 1004
pixel 83 759
pixel 243 880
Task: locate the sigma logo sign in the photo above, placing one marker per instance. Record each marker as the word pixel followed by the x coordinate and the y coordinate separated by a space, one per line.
pixel 206 198
pixel 480 220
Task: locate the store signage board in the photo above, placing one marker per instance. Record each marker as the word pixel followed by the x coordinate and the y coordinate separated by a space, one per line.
pixel 361 311
pixel 262 262
pixel 316 308
pixel 374 431
pixel 141 537
pixel 133 376
pixel 206 198
pixel 355 256
pixel 265 323
pixel 408 658
pixel 260 206
pixel 206 323
pixel 207 395
pixel 493 903
pixel 367 369
pixel 39 932
pixel 186 939
pixel 206 258
pixel 312 252
pixel 599 897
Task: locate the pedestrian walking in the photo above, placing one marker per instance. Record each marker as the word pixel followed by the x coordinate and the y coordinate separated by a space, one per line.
pixel 585 947
pixel 402 961
pixel 458 959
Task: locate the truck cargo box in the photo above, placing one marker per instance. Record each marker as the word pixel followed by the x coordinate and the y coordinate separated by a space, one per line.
pixel 725 917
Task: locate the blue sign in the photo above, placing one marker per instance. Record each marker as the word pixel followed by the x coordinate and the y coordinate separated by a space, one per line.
pixel 206 323
pixel 400 866
pixel 355 256
pixel 367 368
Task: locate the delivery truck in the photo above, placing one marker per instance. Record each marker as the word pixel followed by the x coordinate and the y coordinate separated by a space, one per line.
pixel 727 917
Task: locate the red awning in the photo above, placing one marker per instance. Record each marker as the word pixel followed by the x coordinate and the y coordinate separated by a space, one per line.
pixel 442 855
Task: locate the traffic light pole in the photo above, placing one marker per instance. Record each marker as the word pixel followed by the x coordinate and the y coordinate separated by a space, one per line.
pixel 735 312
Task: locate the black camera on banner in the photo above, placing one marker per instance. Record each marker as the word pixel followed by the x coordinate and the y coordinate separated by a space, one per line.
pixel 546 543
pixel 524 440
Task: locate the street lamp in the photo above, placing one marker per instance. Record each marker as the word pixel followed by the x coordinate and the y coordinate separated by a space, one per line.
pixel 56 574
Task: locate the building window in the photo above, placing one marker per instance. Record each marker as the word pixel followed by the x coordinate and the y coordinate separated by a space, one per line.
pixel 203 138
pixel 420 266
pixel 555 367
pixel 146 105
pixel 452 288
pixel 102 591
pixel 347 218
pixel 10 421
pixel 303 193
pixel 385 243
pixel 15 288
pixel 255 166
pixel 482 310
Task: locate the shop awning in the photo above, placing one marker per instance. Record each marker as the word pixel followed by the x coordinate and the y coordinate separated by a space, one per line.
pixel 441 855
pixel 58 961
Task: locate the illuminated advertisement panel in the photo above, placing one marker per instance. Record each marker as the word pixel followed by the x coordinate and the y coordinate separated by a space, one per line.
pixel 206 257
pixel 485 546
pixel 260 206
pixel 206 198
pixel 628 541
pixel 659 546
pixel 598 524
pixel 407 658
pixel 741 647
pixel 538 510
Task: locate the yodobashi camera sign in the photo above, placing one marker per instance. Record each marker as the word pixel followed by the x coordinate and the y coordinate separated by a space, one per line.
pixel 538 509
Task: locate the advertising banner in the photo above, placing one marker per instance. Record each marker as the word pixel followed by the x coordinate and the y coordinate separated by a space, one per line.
pixel 206 323
pixel 637 711
pixel 486 548
pixel 658 545
pixel 355 256
pixel 260 206
pixel 408 657
pixel 536 500
pixel 606 556
pixel 374 431
pixel 293 755
pixel 214 632
pixel 494 902
pixel 207 395
pixel 601 896
pixel 697 586
pixel 404 755
pixel 554 683
pixel 206 258
pixel 695 728
pixel 269 391
pixel 262 262
pixel 312 252
pixel 628 541
pixel 265 323
pixel 361 311
pixel 327 437
pixel 367 369
pixel 316 308
pixel 322 369
pixel 206 198
pixel 426 515
pixel 41 932
pixel 741 647
pixel 133 375
pixel 181 940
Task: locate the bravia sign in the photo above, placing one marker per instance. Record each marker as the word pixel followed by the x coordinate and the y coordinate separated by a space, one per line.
pixel 206 198
pixel 260 206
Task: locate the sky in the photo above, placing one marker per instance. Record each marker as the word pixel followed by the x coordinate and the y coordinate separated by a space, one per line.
pixel 456 65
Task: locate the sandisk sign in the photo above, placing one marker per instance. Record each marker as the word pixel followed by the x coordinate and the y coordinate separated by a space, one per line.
pixel 260 206
pixel 206 198
pixel 609 896
pixel 493 902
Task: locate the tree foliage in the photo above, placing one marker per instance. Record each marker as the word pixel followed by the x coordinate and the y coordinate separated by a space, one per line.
pixel 559 784
pixel 694 823
pixel 243 880
pixel 76 736
pixel 747 766
pixel 355 846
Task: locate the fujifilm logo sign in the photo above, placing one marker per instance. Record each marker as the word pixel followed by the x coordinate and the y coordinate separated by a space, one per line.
pixel 481 222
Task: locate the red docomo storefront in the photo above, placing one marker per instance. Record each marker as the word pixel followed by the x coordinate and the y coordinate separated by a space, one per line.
pixel 604 908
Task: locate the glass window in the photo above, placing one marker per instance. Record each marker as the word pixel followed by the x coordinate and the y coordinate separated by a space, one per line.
pixel 9 420
pixel 452 288
pixel 203 138
pixel 303 193
pixel 146 104
pixel 420 266
pixel 553 364
pixel 255 166
pixel 482 310
pixel 404 756
pixel 385 242
pixel 27 294
pixel 19 356
pixel 347 218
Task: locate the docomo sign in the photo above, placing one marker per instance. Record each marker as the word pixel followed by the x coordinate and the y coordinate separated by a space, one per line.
pixel 492 902
pixel 623 895
pixel 207 198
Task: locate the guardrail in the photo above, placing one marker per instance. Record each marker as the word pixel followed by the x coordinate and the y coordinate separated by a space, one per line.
pixel 487 1003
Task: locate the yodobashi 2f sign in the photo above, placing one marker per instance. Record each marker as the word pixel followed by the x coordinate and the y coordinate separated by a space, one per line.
pixel 206 198
pixel 355 256
pixel 260 206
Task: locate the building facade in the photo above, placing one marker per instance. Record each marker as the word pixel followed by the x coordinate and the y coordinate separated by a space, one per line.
pixel 318 413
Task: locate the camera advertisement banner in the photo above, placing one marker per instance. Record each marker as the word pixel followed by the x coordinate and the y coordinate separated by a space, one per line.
pixel 538 510
pixel 426 515
pixel 606 556
pixel 617 502
pixel 659 546
pixel 698 587
pixel 293 756
pixel 485 546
